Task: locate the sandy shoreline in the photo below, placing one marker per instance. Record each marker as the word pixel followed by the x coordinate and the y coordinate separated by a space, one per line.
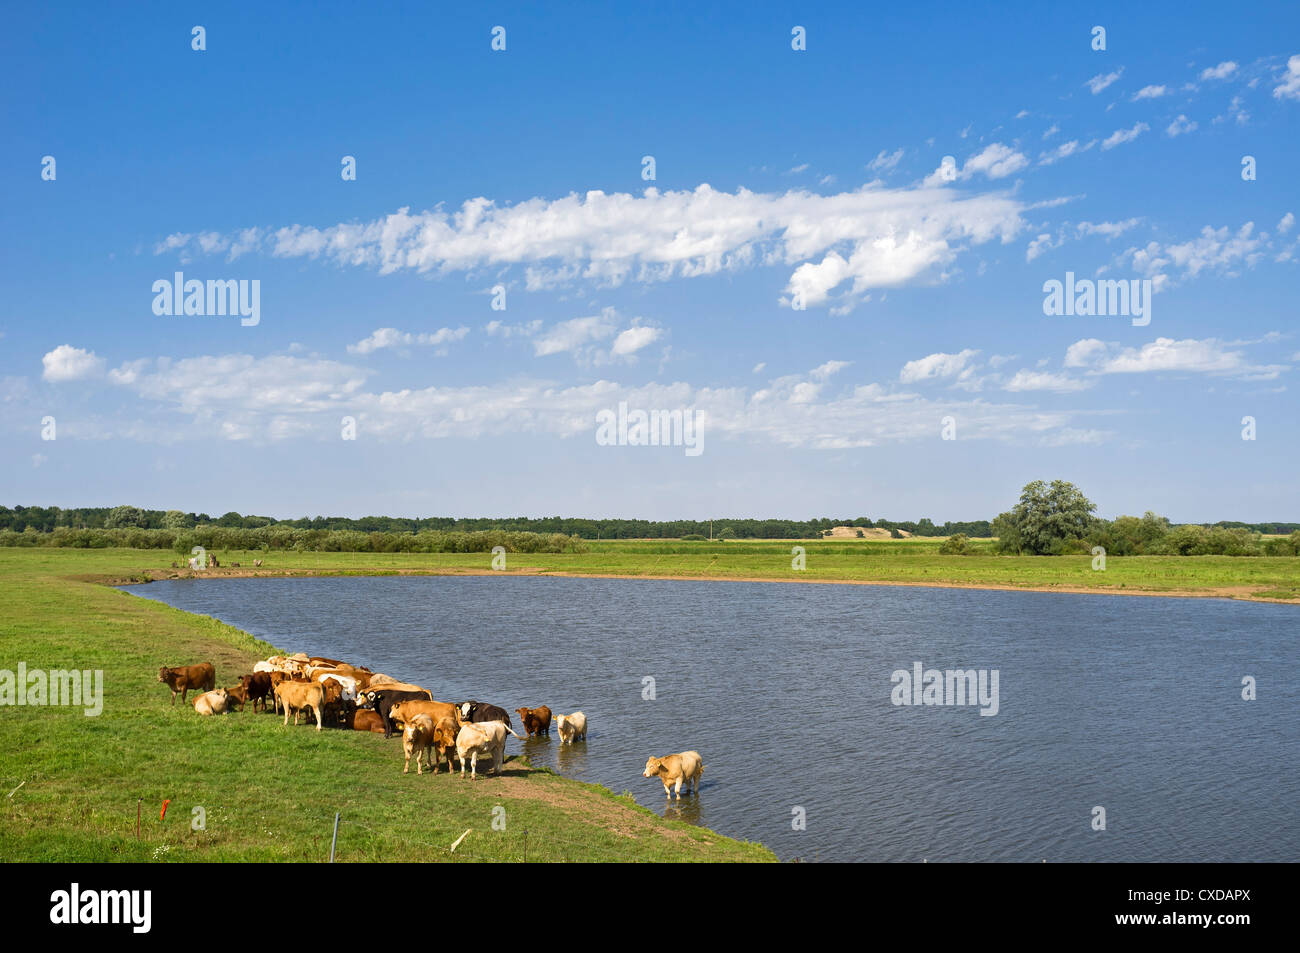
pixel 1239 593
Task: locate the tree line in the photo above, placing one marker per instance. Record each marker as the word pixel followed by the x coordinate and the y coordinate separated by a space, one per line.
pixel 1049 519
pixel 47 519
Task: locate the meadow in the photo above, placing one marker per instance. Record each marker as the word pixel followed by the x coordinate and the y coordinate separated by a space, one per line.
pixel 72 785
pixel 888 562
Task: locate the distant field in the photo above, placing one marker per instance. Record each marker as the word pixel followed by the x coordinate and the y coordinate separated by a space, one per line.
pixel 69 784
pixel 900 562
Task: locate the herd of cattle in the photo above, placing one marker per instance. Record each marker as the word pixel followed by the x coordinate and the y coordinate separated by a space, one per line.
pixel 357 699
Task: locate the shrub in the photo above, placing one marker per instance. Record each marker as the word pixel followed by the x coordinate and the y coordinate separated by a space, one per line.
pixel 955 545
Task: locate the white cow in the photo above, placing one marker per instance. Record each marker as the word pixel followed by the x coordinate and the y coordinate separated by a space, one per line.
pixel 571 727
pixel 486 738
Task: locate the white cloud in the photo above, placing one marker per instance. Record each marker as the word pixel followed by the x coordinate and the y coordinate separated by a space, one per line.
pixel 1051 131
pixel 1235 112
pixel 1120 136
pixel 1180 126
pixel 829 369
pixel 208 387
pixel 68 363
pixel 500 329
pixel 1285 225
pixel 1043 243
pixel 939 365
pixel 945 173
pixel 758 368
pixel 1149 92
pixel 1215 251
pixel 1045 380
pixel 1085 352
pixel 239 397
pixel 1107 230
pixel 884 161
pixel 1222 71
pixel 1071 436
pixel 1064 151
pixel 1289 87
pixel 802 167
pixel 1208 356
pixel 874 237
pixel 997 161
pixel 634 339
pixel 1102 80
pixel 393 338
pixel 571 335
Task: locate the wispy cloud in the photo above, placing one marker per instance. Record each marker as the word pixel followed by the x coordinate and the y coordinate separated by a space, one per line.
pixel 1121 136
pixel 383 338
pixel 1102 80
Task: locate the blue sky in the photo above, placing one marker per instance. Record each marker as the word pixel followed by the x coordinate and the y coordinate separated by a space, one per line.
pixel 781 176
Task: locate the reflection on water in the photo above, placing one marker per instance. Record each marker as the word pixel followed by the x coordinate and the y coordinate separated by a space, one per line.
pixel 785 690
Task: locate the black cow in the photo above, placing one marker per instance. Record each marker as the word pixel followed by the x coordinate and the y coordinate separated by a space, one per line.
pixel 482 711
pixel 383 700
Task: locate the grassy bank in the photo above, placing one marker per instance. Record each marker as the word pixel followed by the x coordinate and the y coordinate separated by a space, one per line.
pixel 69 784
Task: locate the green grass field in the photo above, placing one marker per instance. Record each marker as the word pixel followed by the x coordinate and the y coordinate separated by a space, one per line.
pixel 70 785
pixel 902 562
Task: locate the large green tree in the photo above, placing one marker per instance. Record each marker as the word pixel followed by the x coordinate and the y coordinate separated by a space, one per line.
pixel 123 517
pixel 1048 518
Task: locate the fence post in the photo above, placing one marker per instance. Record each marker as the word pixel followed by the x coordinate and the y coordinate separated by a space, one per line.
pixel 525 845
pixel 335 839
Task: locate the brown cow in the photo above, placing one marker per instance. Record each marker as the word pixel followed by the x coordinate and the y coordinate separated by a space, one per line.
pixel 237 695
pixel 200 678
pixel 335 704
pixel 256 687
pixel 363 719
pixel 536 721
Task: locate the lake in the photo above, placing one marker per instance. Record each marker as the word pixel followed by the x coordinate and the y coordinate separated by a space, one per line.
pixel 1129 704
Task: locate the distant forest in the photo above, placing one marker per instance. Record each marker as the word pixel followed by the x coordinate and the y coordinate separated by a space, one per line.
pixel 45 519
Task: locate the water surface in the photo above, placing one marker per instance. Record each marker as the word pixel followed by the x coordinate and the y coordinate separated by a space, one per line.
pixel 1131 704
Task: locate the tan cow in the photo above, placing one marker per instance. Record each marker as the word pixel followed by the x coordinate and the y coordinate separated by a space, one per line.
pixel 388 684
pixel 299 695
pixel 212 703
pixel 482 738
pixel 673 769
pixel 444 742
pixel 417 739
pixel 571 727
pixel 277 679
pixel 403 712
